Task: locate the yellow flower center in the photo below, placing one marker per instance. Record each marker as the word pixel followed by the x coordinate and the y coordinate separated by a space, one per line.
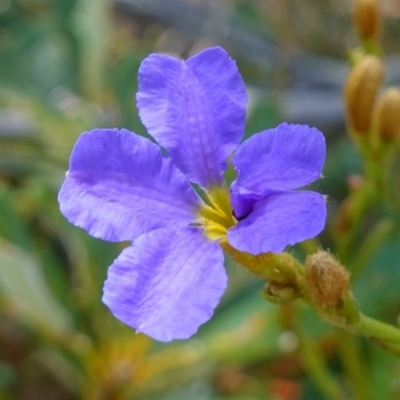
pixel 216 217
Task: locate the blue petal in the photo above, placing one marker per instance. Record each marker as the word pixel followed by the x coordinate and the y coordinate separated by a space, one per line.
pixel 167 283
pixel 279 220
pixel 195 109
pixel 119 186
pixel 284 158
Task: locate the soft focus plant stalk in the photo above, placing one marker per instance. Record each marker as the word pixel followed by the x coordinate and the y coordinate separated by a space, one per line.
pixel 351 357
pixel 368 128
pixel 310 354
pixel 372 123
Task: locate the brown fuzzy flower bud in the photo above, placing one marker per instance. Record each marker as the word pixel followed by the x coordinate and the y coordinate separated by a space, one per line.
pixel 360 90
pixel 367 19
pixel 327 280
pixel 387 115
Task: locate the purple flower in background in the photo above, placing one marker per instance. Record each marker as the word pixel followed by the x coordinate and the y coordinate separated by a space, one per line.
pixel 120 187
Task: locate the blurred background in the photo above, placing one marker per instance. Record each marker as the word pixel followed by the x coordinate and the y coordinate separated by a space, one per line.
pixel 67 66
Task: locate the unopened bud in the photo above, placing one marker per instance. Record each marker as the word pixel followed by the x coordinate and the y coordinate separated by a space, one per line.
pixel 360 91
pixel 367 19
pixel 328 281
pixel 387 115
pixel 279 293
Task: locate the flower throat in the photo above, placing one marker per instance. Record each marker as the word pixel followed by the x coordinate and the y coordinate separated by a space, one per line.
pixel 215 216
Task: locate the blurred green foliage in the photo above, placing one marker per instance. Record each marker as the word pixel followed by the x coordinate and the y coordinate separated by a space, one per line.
pixel 71 65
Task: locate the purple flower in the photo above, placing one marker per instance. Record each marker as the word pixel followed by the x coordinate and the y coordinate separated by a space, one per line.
pixel 121 187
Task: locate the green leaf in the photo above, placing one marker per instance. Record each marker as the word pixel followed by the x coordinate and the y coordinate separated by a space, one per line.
pixel 25 289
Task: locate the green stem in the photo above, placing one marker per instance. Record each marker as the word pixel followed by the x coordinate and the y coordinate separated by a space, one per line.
pixel 360 201
pixel 349 318
pixel 355 369
pixel 377 166
pixel 310 354
pixel 377 171
pixel 313 361
pixel 389 346
pixel 371 46
pixel 378 330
